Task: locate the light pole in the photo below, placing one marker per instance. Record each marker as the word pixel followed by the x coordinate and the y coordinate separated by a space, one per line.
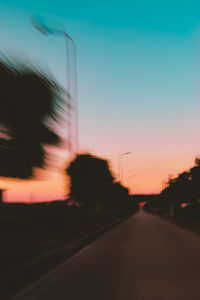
pixel 120 164
pixel 72 100
pixel 130 177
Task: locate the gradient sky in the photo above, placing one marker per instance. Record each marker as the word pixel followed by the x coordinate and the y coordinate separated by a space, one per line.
pixel 138 80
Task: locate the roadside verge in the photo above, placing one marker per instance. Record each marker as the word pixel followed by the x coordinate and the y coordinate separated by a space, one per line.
pixel 26 274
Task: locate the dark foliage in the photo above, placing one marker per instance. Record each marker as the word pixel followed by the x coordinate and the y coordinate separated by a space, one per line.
pixel 28 101
pixel 180 195
pixel 195 180
pixel 89 178
pixel 92 185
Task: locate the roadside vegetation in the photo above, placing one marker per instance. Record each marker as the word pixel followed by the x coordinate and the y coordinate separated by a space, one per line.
pixel 179 201
pixel 31 104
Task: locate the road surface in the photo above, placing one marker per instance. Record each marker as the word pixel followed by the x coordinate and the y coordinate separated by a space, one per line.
pixel 143 258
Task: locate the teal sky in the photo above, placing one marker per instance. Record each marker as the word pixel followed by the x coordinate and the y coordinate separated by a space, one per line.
pixel 138 77
pixel 169 16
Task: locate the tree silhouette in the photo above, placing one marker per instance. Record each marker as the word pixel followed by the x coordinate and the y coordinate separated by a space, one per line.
pixel 195 180
pixel 177 191
pixel 29 104
pixel 90 177
pixel 183 188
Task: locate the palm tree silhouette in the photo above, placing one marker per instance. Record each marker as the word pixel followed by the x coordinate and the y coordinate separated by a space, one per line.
pixel 30 102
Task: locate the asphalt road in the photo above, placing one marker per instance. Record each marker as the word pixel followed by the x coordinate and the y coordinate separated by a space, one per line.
pixel 142 258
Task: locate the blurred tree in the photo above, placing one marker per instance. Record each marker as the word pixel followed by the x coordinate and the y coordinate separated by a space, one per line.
pixel 177 191
pixel 195 180
pixel 90 176
pixel 185 188
pixel 115 196
pixel 29 104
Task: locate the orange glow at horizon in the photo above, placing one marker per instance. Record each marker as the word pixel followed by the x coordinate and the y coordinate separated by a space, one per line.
pixel 143 173
pixel 53 187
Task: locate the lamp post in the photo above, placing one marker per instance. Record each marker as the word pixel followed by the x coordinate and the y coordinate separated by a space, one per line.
pixel 130 177
pixel 72 100
pixel 120 164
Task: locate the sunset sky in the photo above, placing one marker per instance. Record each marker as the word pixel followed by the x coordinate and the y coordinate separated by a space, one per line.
pixel 138 82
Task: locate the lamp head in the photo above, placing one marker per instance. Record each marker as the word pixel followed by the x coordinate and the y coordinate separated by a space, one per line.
pixel 41 26
pixel 126 153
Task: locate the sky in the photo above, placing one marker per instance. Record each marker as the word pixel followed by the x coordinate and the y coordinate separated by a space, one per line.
pixel 138 83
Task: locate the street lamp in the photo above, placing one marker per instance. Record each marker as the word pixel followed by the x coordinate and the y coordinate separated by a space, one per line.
pixel 130 177
pixel 120 164
pixel 40 25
